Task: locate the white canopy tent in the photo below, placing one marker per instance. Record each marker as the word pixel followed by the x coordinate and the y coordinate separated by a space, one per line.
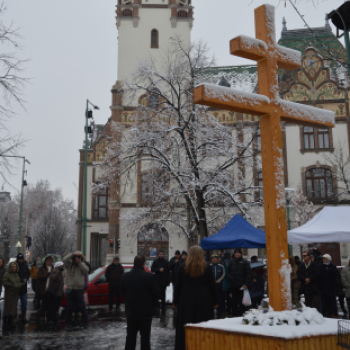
pixel 331 224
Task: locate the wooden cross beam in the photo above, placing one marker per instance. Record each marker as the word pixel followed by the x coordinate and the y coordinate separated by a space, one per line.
pixel 271 110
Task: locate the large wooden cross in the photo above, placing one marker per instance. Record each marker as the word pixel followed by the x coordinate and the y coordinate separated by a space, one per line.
pixel 271 110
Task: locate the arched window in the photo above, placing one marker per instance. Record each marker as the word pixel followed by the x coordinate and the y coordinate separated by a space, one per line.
pixel 182 14
pixel 154 101
pixel 151 239
pixel 309 138
pixel 154 39
pixel 319 183
pixel 127 13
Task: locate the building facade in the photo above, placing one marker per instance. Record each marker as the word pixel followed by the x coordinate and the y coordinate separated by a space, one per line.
pixel 145 27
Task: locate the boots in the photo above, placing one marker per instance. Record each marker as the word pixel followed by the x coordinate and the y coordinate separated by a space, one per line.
pixel 5 324
pixel 11 325
pixel 23 316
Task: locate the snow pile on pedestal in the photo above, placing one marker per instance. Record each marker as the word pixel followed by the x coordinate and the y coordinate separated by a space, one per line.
pixel 305 316
pixel 305 322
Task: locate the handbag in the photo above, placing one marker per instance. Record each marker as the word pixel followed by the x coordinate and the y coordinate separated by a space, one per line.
pixel 52 290
pixel 246 301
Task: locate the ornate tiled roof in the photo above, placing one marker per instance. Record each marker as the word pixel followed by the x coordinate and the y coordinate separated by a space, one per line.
pixel 245 77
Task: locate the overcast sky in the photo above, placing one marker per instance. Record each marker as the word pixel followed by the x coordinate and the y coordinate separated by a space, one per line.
pixel 73 45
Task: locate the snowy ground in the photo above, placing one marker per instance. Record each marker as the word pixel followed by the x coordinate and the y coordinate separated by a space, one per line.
pixel 106 332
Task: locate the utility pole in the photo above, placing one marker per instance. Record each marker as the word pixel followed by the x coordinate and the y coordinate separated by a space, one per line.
pixel 23 183
pixel 88 114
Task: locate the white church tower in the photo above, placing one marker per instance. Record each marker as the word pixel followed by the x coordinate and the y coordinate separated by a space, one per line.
pixel 145 28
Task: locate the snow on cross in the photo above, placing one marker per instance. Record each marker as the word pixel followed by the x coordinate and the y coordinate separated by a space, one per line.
pixel 271 110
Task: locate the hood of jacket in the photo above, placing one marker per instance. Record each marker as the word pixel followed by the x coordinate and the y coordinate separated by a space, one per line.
pixel 9 270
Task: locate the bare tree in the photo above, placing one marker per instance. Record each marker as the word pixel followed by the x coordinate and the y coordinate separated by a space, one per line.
pixel 301 209
pixel 8 228
pixel 196 170
pixel 12 83
pixel 340 162
pixel 50 219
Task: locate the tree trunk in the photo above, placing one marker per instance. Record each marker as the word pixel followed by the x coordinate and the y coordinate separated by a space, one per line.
pixel 202 224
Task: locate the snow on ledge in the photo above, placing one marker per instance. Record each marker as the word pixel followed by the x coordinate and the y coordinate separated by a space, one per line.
pixel 226 94
pixel 318 325
pixel 308 112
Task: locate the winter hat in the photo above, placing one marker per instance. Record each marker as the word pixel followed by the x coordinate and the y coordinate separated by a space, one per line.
pixel 58 264
pixel 20 256
pixel 177 252
pixel 184 252
pixel 237 250
pixel 214 256
pixel 116 257
pixel 327 256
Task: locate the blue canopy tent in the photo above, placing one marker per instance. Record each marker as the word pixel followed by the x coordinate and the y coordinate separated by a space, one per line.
pixel 238 233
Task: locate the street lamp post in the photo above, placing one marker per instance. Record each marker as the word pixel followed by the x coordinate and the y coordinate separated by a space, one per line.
pixel 88 115
pixel 18 245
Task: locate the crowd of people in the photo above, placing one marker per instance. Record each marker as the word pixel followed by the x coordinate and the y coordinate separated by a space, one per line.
pixel 201 285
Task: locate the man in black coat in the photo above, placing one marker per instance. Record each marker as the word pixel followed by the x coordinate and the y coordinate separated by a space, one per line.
pixel 182 260
pixel 113 274
pixel 309 277
pixel 160 268
pixel 239 275
pixel 24 274
pixel 172 264
pixel 329 276
pixel 140 292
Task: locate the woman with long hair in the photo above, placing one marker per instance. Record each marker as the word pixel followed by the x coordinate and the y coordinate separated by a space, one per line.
pixel 195 294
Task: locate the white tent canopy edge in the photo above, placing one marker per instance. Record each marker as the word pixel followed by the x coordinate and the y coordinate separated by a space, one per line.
pixel 331 224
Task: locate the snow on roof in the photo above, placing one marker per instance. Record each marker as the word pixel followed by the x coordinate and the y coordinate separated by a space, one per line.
pixel 234 325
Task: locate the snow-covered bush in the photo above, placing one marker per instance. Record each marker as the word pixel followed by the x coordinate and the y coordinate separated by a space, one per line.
pixel 269 317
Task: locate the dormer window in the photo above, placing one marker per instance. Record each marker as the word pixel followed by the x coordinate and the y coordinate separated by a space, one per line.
pixel 224 82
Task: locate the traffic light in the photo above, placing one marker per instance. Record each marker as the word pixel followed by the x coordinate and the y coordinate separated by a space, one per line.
pixel 28 241
pixel 111 243
pixel 118 244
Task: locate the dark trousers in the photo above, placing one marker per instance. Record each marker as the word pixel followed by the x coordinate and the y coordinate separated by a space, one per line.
pixel 315 299
pixel 329 305
pixel 34 285
pixel 44 311
pixel 237 306
pixel 135 326
pixel 75 300
pixel 256 301
pixel 221 302
pixel 162 297
pixel 114 290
